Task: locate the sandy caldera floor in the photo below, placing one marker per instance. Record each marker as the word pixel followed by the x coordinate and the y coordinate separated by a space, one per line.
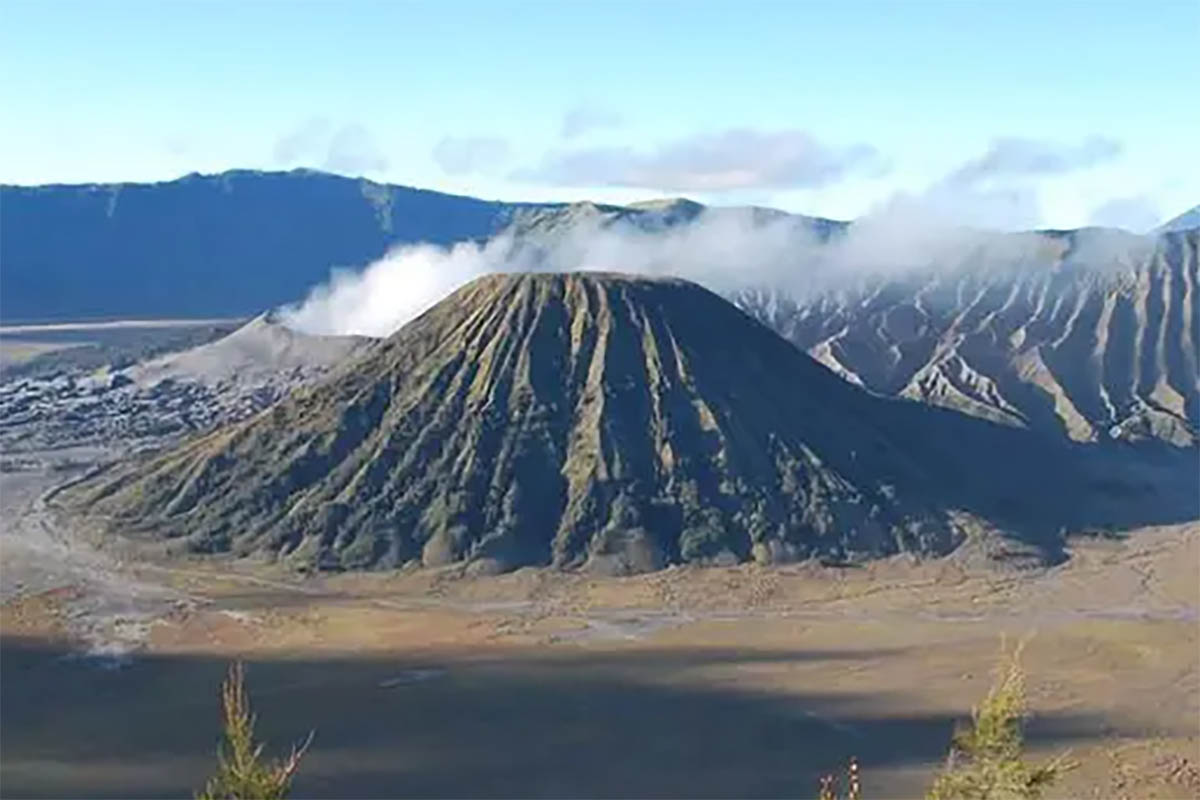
pixel 738 682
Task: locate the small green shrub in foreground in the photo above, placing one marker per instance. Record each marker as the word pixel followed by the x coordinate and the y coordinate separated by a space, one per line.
pixel 242 773
pixel 985 761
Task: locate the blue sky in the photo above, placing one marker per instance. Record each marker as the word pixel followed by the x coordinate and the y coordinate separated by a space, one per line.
pixel 1008 114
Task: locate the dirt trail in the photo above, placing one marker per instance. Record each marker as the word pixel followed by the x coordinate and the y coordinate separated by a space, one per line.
pixel 104 607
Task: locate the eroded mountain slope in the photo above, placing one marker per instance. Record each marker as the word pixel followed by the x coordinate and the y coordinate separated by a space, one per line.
pixel 1097 340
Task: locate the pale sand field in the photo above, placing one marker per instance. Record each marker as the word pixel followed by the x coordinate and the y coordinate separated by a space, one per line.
pixel 738 682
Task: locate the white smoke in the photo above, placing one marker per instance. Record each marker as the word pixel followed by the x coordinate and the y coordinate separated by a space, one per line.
pixel 393 290
pixel 724 250
pixel 727 250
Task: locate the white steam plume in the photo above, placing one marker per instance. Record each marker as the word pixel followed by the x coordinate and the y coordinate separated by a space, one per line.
pixel 727 250
pixel 393 290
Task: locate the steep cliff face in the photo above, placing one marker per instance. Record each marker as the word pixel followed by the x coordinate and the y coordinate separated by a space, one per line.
pixel 231 244
pixel 1087 344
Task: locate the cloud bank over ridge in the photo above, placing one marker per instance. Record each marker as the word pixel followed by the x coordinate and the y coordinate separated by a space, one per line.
pixel 727 250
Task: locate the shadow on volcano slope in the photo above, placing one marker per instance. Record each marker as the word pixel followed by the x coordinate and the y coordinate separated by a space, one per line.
pixel 1037 487
pixel 635 723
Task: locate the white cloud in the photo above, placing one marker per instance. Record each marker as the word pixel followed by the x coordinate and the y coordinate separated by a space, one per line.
pixel 730 160
pixel 467 155
pixel 1002 188
pixel 1016 157
pixel 728 250
pixel 353 151
pixel 955 222
pixel 584 119
pixel 302 142
pixel 317 142
pixel 1138 213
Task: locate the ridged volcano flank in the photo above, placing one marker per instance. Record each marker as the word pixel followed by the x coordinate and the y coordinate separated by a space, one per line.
pixel 550 418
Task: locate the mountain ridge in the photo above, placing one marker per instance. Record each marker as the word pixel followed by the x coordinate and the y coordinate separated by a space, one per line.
pixel 1085 349
pixel 1188 220
pixel 229 244
pixel 1092 337
pixel 234 243
pixel 225 244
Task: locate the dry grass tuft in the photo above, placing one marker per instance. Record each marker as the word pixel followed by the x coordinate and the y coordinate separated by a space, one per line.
pixel 829 789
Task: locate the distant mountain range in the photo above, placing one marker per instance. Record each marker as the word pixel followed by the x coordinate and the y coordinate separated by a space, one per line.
pixel 1095 338
pixel 1102 347
pixel 208 245
pixel 242 241
pixel 226 245
pixel 233 244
